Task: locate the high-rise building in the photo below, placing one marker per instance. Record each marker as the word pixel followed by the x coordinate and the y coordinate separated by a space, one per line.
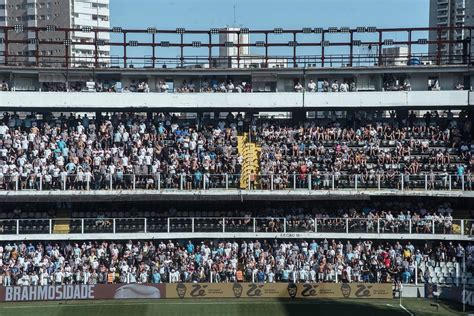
pixel 229 53
pixel 77 14
pixel 94 14
pixel 450 13
pixel 233 38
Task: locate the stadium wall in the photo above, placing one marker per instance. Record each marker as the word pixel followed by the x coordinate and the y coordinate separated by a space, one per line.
pixel 237 101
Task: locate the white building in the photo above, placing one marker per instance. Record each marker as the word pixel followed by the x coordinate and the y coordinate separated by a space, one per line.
pixel 231 56
pixel 395 56
pixel 234 38
pixel 94 14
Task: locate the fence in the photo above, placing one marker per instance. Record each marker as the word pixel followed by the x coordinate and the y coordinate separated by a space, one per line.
pixel 272 182
pixel 328 47
pixel 177 225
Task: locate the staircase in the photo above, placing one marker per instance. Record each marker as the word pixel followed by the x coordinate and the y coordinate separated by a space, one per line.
pixel 250 153
pixel 62 226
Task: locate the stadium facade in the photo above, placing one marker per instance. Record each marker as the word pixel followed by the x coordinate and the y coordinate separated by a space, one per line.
pixel 155 146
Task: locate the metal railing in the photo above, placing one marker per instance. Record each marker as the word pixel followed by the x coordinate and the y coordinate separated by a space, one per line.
pixel 271 182
pixel 335 46
pixel 172 225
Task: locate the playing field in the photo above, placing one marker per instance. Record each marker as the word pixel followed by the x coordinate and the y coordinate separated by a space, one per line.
pixel 221 307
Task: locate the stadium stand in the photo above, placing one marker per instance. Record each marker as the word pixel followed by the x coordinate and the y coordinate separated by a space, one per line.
pixel 125 151
pixel 96 262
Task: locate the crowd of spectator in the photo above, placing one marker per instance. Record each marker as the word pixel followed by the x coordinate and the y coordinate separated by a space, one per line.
pixel 94 262
pixel 214 84
pixel 373 150
pixel 143 86
pixel 82 149
pixel 79 152
pixel 327 86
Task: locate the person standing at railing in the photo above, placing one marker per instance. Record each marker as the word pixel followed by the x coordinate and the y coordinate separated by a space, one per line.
pixel 299 87
pixel 469 183
pixel 312 86
pixel 252 179
pixel 459 173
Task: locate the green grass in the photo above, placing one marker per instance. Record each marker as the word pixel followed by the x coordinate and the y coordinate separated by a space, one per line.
pixel 246 307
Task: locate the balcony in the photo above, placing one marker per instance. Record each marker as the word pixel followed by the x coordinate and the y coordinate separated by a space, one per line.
pixel 230 227
pixel 228 187
pixel 31 11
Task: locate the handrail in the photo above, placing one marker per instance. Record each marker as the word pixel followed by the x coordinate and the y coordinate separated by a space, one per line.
pixel 203 182
pixel 111 225
pixel 207 217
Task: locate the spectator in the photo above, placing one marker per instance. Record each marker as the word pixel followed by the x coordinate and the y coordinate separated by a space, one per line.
pixel 299 87
pixel 311 86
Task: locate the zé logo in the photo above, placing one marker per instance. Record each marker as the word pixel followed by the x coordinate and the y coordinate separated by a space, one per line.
pixel 310 290
pixel 254 290
pixel 363 290
pixel 198 290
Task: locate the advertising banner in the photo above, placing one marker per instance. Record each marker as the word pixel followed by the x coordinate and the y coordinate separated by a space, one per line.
pixel 458 294
pixel 81 292
pixel 278 290
pixel 194 290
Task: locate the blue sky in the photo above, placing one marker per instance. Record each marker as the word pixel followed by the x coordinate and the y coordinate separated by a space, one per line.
pixel 268 14
pixel 206 14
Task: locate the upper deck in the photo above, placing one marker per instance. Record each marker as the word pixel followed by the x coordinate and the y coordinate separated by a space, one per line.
pixel 270 64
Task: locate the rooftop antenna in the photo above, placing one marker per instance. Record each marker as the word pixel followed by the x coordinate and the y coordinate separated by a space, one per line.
pixel 235 16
